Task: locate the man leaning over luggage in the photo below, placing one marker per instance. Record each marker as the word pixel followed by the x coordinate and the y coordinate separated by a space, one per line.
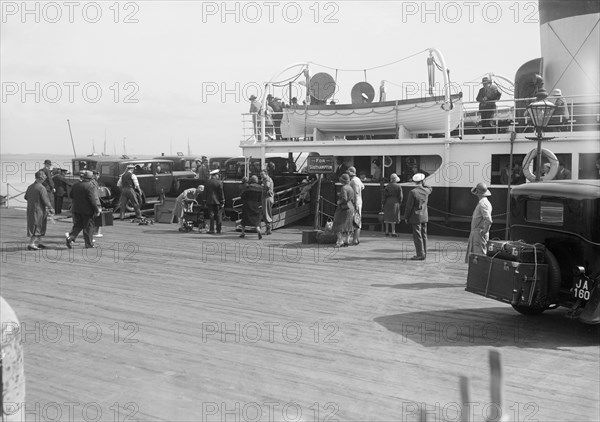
pixel 480 222
pixel 130 188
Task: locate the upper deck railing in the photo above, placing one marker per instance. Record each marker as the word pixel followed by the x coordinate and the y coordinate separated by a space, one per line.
pixel 579 113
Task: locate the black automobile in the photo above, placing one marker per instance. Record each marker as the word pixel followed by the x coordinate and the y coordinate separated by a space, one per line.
pixel 558 222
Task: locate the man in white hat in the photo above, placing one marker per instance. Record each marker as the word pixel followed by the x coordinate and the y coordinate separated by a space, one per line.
pixel 215 201
pixel 560 117
pixel 416 214
pixel 130 188
pixel 480 222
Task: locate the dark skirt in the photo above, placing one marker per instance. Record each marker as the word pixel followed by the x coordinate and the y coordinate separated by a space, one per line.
pixel 251 207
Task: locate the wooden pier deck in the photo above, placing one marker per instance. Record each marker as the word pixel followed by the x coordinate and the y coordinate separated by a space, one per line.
pixel 159 325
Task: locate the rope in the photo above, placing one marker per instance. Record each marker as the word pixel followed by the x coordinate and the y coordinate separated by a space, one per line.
pixel 374 67
pixel 460 230
pixel 458 215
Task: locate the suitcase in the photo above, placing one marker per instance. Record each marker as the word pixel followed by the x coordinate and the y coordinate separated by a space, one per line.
pixel 508 281
pixel 104 219
pixel 516 251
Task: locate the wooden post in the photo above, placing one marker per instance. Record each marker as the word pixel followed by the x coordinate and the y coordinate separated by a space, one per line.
pixel 513 136
pixel 318 201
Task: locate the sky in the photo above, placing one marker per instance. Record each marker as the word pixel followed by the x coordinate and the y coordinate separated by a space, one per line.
pixel 148 77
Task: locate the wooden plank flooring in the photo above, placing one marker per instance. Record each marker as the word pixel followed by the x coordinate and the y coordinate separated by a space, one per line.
pixel 184 326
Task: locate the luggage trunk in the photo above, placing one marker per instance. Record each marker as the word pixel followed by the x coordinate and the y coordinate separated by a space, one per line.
pixel 516 251
pixel 511 282
pixel 104 219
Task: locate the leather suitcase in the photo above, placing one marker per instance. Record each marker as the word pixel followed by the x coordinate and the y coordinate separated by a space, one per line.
pixel 104 219
pixel 516 251
pixel 508 281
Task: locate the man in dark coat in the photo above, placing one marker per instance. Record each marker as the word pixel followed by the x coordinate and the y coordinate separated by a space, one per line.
pixel 215 201
pixel 38 208
pixel 487 97
pixel 60 189
pixel 416 215
pixel 130 189
pixel 48 182
pixel 251 206
pixel 86 205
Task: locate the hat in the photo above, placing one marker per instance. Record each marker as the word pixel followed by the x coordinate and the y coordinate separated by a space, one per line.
pixel 253 179
pixel 351 171
pixel 481 189
pixel 269 97
pixel 64 170
pixel 40 175
pixel 304 181
pixel 215 171
pixel 48 162
pixel 394 178
pixel 344 178
pixel 86 174
pixel 419 177
pixel 556 92
pixel 130 166
pixel 485 80
pixel 252 97
pixel 200 188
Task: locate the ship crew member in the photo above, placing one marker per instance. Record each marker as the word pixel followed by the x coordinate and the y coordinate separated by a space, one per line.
pixel 416 215
pixel 215 201
pixel 60 189
pixel 187 196
pixel 49 182
pixel 487 97
pixel 130 188
pixel 277 107
pixel 480 222
pixel 38 209
pixel 357 186
pixel 86 206
pixel 267 200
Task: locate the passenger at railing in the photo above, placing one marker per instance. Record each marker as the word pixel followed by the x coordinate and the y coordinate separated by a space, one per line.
pixel 277 107
pixel 487 97
pixel 382 92
pixel 563 172
pixel 269 124
pixel 267 200
pixel 255 106
pixel 294 103
pixel 560 117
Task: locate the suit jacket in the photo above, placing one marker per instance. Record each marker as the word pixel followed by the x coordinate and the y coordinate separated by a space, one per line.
pixel 213 192
pixel 416 205
pixel 85 198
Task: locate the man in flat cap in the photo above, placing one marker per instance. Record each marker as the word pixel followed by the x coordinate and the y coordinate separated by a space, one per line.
pixel 487 97
pixel 480 222
pixel 60 189
pixel 86 205
pixel 49 182
pixel 38 209
pixel 416 215
pixel 130 188
pixel 215 201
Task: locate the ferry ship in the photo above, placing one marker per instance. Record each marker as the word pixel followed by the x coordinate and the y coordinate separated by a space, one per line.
pixel 444 136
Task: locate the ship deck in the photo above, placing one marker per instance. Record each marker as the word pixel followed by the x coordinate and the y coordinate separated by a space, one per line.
pixel 187 326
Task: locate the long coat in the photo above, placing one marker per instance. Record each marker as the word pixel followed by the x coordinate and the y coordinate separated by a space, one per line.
pixel 416 205
pixel 391 206
pixel 344 213
pixel 37 204
pixel 482 219
pixel 213 192
pixel 251 205
pixel 85 198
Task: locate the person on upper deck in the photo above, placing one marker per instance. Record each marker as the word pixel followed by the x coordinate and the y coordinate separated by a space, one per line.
pixel 487 97
pixel 560 117
pixel 255 107
pixel 277 108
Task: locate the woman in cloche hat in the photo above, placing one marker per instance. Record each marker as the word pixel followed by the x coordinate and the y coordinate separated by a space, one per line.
pixel 480 222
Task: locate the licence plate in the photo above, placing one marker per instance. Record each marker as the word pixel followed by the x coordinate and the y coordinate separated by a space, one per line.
pixel 582 290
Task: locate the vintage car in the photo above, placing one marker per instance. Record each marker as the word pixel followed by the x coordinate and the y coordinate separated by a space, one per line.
pixel 235 168
pixel 155 176
pixel 561 219
pixel 184 172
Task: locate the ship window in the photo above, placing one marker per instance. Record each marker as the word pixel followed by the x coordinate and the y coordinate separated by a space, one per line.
pixel 545 212
pixel 589 166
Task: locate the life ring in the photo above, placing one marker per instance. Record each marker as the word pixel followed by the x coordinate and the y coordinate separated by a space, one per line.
pixel 528 161
pixel 387 161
